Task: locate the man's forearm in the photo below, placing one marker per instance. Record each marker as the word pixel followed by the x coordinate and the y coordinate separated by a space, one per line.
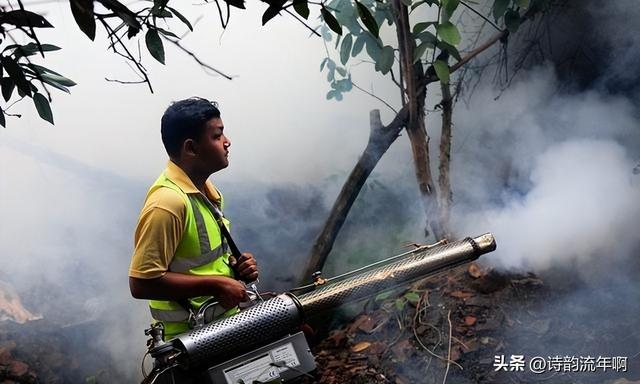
pixel 176 286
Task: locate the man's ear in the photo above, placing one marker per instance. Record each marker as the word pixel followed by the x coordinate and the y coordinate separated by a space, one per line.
pixel 189 147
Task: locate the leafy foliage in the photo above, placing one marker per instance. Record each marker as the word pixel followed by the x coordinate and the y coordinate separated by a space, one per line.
pixel 436 41
pixel 120 22
pixel 357 24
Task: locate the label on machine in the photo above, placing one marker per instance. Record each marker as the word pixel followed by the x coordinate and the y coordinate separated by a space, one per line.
pixel 285 356
pixel 264 368
pixel 280 361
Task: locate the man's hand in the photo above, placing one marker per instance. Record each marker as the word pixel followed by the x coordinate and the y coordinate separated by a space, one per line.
pixel 230 292
pixel 247 267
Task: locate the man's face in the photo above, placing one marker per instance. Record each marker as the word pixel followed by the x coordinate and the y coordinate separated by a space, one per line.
pixel 213 147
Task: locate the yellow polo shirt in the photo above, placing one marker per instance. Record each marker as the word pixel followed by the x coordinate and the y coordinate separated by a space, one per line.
pixel 161 225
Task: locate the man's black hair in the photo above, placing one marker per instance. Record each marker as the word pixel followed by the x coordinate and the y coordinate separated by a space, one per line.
pixel 186 119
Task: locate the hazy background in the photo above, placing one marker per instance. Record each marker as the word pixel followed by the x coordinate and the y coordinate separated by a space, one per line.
pixel 547 165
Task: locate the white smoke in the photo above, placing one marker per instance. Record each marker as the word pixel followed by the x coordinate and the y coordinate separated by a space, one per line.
pixel 550 174
pixel 583 204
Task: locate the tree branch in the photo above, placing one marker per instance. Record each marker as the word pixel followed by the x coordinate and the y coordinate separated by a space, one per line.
pixel 197 59
pixel 431 78
pixel 375 97
pixel 481 15
pixel 129 55
pixel 302 22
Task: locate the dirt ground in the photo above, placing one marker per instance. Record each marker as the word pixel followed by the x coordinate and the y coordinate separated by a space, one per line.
pixel 469 325
pixel 472 325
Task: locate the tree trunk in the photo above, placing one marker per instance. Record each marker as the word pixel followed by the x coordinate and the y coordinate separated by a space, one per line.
pixel 413 76
pixel 380 139
pixel 445 196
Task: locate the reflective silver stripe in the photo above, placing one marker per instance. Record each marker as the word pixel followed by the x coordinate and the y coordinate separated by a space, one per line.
pixel 218 216
pixel 184 264
pixel 203 237
pixel 173 315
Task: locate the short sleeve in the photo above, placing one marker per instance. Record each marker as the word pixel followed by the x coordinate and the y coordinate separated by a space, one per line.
pixel 158 233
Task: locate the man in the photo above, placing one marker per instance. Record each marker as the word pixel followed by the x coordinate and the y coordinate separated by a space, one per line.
pixel 181 257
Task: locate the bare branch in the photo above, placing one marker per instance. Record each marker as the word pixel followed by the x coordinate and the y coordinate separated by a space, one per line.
pixel 129 56
pixel 375 97
pixel 124 82
pixel 431 78
pixel 481 15
pixel 197 59
pixel 302 22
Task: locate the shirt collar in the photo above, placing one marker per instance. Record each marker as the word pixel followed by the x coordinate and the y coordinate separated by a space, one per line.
pixel 182 180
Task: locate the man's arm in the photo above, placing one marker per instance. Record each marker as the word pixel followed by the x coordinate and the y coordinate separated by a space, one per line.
pixel 178 286
pixel 247 267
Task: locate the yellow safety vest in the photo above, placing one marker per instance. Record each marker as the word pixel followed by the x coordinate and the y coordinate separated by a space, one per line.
pixel 201 251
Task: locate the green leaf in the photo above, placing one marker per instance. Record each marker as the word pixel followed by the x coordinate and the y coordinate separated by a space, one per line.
pixel 326 34
pixel 522 3
pixel 274 9
pixel 385 62
pixel 374 47
pixel 23 18
pixel 31 49
pixel 17 75
pixel 154 45
pixel 499 8
pixel 43 107
pixel 427 37
pixel 383 295
pixel 322 64
pixel 400 302
pixel 8 85
pixel 412 297
pixel 58 79
pixel 167 33
pixel 341 71
pixel 449 7
pixel 236 3
pixel 346 15
pixel 182 18
pixel 345 48
pixel 55 84
pixel 406 2
pixel 367 19
pixel 453 51
pixel 343 85
pixel 420 50
pixel 419 27
pixel 331 94
pixel 357 46
pixel 82 11
pixel 331 65
pixel 416 5
pixel 331 21
pixel 160 13
pixel 41 69
pixel 512 20
pixel 302 8
pixel 442 70
pixel 380 13
pixel 334 94
pixel 124 13
pixel 449 33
